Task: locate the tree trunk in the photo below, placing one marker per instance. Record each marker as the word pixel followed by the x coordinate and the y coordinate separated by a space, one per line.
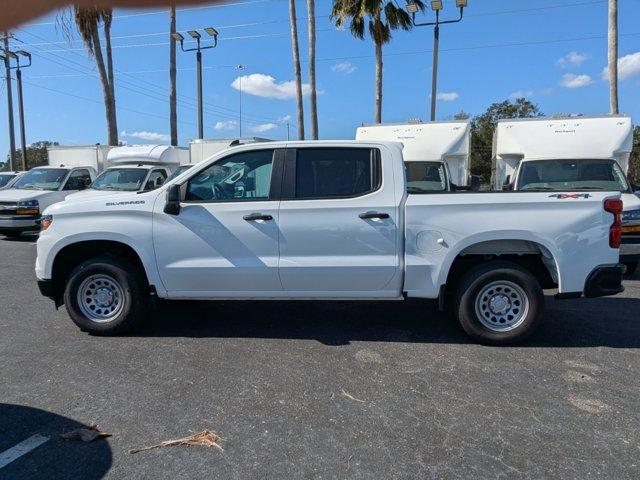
pixel 613 56
pixel 378 82
pixel 173 112
pixel 296 67
pixel 112 87
pixel 109 101
pixel 313 102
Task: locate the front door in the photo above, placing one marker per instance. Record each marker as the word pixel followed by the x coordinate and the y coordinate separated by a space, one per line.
pixel 224 241
pixel 338 224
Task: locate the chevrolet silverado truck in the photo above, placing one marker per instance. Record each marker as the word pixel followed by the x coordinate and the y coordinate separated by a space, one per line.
pixel 327 220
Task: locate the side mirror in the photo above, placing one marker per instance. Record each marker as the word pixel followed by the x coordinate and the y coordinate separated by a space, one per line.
pixel 507 183
pixel 159 182
pixel 86 183
pixel 172 204
pixel 474 183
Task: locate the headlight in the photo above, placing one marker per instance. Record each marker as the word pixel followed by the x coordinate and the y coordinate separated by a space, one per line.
pixel 28 207
pixel 631 215
pixel 45 222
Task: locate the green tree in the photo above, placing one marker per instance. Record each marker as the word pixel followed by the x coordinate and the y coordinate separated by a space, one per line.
pixel 634 162
pixel 381 16
pixel 483 126
pixel 36 154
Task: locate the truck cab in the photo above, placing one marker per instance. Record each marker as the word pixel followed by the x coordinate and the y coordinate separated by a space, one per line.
pixel 8 178
pixel 586 154
pixel 21 205
pixel 436 154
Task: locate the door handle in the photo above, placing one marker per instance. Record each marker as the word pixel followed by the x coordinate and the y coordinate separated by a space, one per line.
pixel 257 216
pixel 372 215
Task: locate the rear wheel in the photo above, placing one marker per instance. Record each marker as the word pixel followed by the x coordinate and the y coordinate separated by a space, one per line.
pixel 631 267
pixel 106 296
pixel 499 303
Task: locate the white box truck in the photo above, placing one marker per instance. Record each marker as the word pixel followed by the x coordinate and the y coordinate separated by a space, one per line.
pixel 202 149
pixel 571 154
pixel 436 154
pixel 78 156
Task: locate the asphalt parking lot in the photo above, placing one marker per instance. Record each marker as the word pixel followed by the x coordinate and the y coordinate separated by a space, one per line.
pixel 318 390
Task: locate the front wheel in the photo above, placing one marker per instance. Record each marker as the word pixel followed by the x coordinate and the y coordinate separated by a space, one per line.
pixel 499 303
pixel 106 296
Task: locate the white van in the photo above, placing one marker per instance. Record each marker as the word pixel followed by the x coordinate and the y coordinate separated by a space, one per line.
pixel 436 154
pixel 571 153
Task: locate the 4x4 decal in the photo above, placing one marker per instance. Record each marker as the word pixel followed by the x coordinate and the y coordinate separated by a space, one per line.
pixel 563 196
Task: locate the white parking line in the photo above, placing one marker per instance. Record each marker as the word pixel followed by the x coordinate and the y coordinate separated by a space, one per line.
pixel 21 449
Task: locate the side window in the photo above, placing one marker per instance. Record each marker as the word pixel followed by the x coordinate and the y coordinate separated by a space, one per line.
pixel 244 176
pixel 78 180
pixel 156 179
pixel 336 172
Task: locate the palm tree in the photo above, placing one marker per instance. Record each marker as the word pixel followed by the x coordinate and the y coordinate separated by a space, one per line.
pixel 313 102
pixel 88 21
pixel 613 55
pixel 173 112
pixel 296 67
pixel 382 17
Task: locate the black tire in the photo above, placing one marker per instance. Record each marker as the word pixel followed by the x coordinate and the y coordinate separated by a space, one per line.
pixel 135 295
pixel 474 284
pixel 631 268
pixel 11 234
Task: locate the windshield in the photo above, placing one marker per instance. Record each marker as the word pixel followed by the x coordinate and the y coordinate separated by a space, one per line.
pixel 425 177
pixel 42 179
pixel 180 170
pixel 5 179
pixel 121 179
pixel 572 175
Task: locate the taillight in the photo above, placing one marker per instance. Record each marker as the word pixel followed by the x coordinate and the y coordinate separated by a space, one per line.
pixel 615 231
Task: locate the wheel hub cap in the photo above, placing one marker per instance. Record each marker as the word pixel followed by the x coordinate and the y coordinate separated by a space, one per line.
pixel 100 298
pixel 501 305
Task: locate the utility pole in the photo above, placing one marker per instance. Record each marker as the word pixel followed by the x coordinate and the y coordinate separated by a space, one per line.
pixel 437 6
pixel 240 68
pixel 198 49
pixel 612 55
pixel 23 135
pixel 7 68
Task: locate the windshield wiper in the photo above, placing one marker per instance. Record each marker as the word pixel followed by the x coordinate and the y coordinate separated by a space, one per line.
pixel 588 188
pixel 534 189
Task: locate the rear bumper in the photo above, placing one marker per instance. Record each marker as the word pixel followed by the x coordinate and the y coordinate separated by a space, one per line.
pixel 604 280
pixel 630 248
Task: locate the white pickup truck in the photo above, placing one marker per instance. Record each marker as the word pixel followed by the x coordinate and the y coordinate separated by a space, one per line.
pixel 327 220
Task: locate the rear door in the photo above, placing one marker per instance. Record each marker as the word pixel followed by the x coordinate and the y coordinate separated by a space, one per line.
pixel 338 224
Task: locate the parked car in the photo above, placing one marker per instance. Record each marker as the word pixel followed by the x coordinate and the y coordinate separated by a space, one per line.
pixel 22 204
pixel 8 178
pixel 327 220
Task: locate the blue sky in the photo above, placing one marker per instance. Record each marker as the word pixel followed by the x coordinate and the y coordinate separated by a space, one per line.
pixel 551 51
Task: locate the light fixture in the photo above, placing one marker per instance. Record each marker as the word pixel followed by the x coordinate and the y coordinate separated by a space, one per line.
pixel 194 33
pixel 436 5
pixel 24 53
pixel 461 3
pixel 177 37
pixel 412 7
pixel 12 55
pixel 211 31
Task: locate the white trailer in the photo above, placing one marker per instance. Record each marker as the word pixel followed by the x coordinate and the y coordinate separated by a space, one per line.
pixel 78 156
pixel 202 149
pixel 447 143
pixel 571 153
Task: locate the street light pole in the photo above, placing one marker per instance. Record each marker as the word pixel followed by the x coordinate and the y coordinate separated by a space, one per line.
pixel 239 68
pixel 7 68
pixel 413 7
pixel 198 49
pixel 23 136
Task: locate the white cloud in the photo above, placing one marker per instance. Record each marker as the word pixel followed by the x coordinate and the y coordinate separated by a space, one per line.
pixel 521 94
pixel 344 67
pixel 628 66
pixel 571 80
pixel 447 96
pixel 571 59
pixel 263 127
pixel 266 86
pixel 147 136
pixel 227 125
pixel 284 119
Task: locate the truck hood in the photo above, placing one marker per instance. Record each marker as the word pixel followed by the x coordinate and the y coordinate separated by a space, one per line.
pixel 18 194
pixel 88 193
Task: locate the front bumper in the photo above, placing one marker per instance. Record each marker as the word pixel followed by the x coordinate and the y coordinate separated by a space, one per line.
pixel 46 288
pixel 22 223
pixel 604 280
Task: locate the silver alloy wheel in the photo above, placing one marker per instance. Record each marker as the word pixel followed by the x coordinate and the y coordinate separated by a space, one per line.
pixel 502 306
pixel 100 298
